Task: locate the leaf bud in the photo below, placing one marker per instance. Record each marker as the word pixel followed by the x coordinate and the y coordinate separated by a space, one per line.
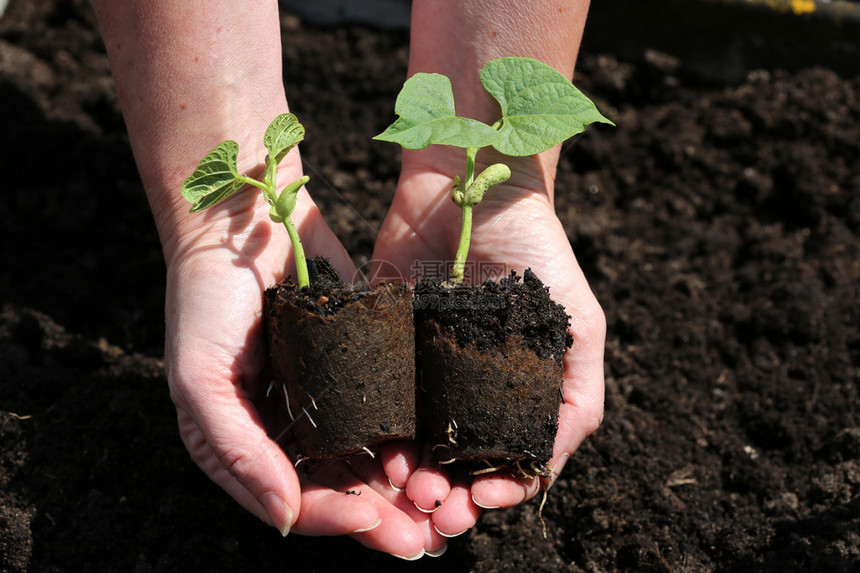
pixel 287 199
pixel 492 175
pixel 457 191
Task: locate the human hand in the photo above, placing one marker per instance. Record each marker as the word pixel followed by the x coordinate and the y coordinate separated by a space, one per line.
pixel 219 263
pixel 516 225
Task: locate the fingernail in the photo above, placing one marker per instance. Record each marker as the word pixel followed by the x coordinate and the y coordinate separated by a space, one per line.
pixel 394 487
pixel 443 534
pixel 279 512
pixel 439 552
pixel 476 502
pixel 427 510
pixel 374 525
pixel 416 557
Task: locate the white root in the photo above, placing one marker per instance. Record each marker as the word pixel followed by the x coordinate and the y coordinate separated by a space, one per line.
pixel 488 470
pixel 311 420
pixel 287 398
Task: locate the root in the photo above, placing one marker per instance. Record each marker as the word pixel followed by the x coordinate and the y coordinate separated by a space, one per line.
pixel 287 398
pixel 534 469
pixel 452 432
pixel 541 470
pixel 540 511
pixel 311 420
pixel 489 469
pixel 522 471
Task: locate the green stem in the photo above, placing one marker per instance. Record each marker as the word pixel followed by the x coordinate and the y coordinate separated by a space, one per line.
pixel 255 183
pixel 299 252
pixel 459 270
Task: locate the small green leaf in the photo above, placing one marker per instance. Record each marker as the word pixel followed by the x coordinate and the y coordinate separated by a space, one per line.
pixel 540 107
pixel 425 107
pixel 284 133
pixel 215 178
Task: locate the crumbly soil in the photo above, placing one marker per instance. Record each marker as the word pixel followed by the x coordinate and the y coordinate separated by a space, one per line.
pixel 489 360
pixel 343 363
pixel 717 224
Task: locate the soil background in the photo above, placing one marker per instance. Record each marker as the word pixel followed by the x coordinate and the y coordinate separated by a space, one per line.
pixel 718 225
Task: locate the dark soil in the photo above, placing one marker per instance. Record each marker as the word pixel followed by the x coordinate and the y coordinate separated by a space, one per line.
pixel 343 363
pixel 489 362
pixel 485 315
pixel 718 225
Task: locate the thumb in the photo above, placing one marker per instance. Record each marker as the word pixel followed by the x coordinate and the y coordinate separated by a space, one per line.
pixel 222 430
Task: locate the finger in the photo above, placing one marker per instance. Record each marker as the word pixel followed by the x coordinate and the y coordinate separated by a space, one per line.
pixel 458 512
pixel 493 491
pixel 247 464
pixel 399 459
pixel 336 508
pixel 396 533
pixel 326 511
pixel 429 485
pixel 371 472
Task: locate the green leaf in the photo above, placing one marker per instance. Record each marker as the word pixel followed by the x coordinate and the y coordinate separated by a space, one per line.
pixel 284 133
pixel 425 107
pixel 215 178
pixel 540 107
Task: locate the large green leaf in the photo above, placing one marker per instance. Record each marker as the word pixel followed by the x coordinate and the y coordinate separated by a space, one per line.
pixel 284 133
pixel 425 107
pixel 215 178
pixel 540 107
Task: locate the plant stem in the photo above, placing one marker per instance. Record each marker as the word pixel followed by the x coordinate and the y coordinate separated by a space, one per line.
pixel 268 187
pixel 299 252
pixel 254 182
pixel 459 270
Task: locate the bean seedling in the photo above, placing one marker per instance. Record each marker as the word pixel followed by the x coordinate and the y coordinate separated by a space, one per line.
pixel 217 177
pixel 540 108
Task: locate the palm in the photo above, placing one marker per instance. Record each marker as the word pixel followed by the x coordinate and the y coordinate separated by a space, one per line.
pixel 514 226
